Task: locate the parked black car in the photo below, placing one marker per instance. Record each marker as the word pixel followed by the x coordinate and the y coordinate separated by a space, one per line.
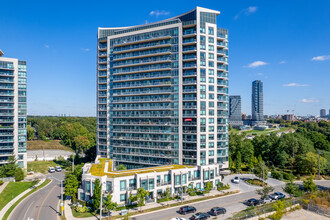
pixel 217 211
pixel 187 209
pixel 252 202
pixel 200 216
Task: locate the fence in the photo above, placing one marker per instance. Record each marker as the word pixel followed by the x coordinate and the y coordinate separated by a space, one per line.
pixel 317 209
pixel 8 179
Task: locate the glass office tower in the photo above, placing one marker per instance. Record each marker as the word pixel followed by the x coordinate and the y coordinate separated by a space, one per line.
pixel 257 101
pixel 235 112
pixel 162 92
pixel 12 110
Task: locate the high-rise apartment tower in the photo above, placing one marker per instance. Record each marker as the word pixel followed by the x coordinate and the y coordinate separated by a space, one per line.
pixel 257 101
pixel 323 112
pixel 12 110
pixel 163 92
pixel 235 111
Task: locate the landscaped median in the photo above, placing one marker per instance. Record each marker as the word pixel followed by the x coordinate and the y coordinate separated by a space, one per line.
pixel 159 207
pixel 6 215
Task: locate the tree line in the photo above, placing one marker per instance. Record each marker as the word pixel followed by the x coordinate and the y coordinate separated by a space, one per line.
pixel 296 153
pixel 79 133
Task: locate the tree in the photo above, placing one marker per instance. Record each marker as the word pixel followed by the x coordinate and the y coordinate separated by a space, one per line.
pixel 19 174
pixel 208 186
pixel 261 170
pixel 279 206
pixel 121 167
pixel 309 163
pixel 109 205
pixel 309 184
pixel 81 143
pixel 292 189
pixel 71 186
pixel 8 169
pixel 238 162
pixel 97 195
pixel 30 132
pixel 141 196
pixel 264 192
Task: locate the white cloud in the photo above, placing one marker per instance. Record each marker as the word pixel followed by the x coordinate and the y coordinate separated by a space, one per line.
pixel 46 46
pixel 158 13
pixel 295 85
pixel 85 49
pixel 321 58
pixel 246 11
pixel 260 74
pixel 309 100
pixel 257 64
pixel 283 62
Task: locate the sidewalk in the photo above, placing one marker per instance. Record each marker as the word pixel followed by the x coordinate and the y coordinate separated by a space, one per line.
pixel 5 209
pixel 3 186
pixel 69 216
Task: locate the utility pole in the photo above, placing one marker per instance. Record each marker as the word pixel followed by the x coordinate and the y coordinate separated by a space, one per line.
pixel 62 204
pixel 263 171
pixel 319 164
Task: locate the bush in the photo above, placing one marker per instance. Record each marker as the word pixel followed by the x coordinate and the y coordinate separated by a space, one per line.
pixel 221 186
pixel 288 176
pixel 277 175
pixel 82 209
pixel 1 182
pixel 19 174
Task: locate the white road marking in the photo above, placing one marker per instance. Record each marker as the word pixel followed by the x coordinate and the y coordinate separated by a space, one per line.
pixel 28 210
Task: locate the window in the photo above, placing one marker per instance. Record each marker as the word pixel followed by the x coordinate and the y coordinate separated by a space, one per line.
pixel 167 178
pixel 88 185
pixel 211 56
pixel 122 197
pixel 109 186
pixel 211 96
pixel 184 179
pixel 211 30
pixel 211 120
pixel 198 186
pixel 211 40
pixel 202 46
pixel 211 145
pixel 203 105
pixel 203 129
pixel 211 104
pixel 211 64
pixel 203 79
pixel 211 88
pixel 211 128
pixel 203 96
pixel 211 136
pixel 203 121
pixel 203 63
pixel 203 137
pixel 211 112
pixel 211 48
pixel 202 112
pixel 211 72
pixel 122 185
pixel 196 174
pixel 203 55
pixel 177 179
pixel 132 184
pixel 144 184
pixel 206 175
pixel 211 152
pixel 211 80
pixel 202 145
pixel 202 30
pixel 151 184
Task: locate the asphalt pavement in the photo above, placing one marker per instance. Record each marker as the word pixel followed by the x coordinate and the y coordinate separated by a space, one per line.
pixel 42 205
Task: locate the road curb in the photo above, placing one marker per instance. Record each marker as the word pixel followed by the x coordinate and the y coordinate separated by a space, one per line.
pixel 185 204
pixel 26 198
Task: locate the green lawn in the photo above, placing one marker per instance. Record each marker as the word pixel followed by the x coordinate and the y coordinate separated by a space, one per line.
pixel 12 190
pixel 40 166
pixel 50 144
pixel 81 215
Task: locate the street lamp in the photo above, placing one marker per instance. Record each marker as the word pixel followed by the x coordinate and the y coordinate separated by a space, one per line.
pixel 62 204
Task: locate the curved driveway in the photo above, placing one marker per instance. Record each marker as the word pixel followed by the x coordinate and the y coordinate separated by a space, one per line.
pixel 40 205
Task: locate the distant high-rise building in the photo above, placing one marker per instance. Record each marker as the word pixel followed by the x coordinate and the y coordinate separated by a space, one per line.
pixel 12 110
pixel 257 101
pixel 288 117
pixel 163 92
pixel 235 114
pixel 323 112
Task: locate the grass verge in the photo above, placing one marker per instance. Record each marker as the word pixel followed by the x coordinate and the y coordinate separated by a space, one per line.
pixel 5 217
pixel 12 190
pixel 255 182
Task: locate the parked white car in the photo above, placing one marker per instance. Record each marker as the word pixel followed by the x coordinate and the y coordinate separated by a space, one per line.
pixel 58 168
pixel 51 170
pixel 266 200
pixel 177 218
pixel 236 179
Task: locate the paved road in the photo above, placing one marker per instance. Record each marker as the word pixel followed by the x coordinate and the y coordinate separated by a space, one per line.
pixel 42 205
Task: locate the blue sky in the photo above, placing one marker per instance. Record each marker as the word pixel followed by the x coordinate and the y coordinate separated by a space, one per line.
pixel 286 44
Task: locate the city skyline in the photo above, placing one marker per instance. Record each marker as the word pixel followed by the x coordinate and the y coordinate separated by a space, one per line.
pixel 265 46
